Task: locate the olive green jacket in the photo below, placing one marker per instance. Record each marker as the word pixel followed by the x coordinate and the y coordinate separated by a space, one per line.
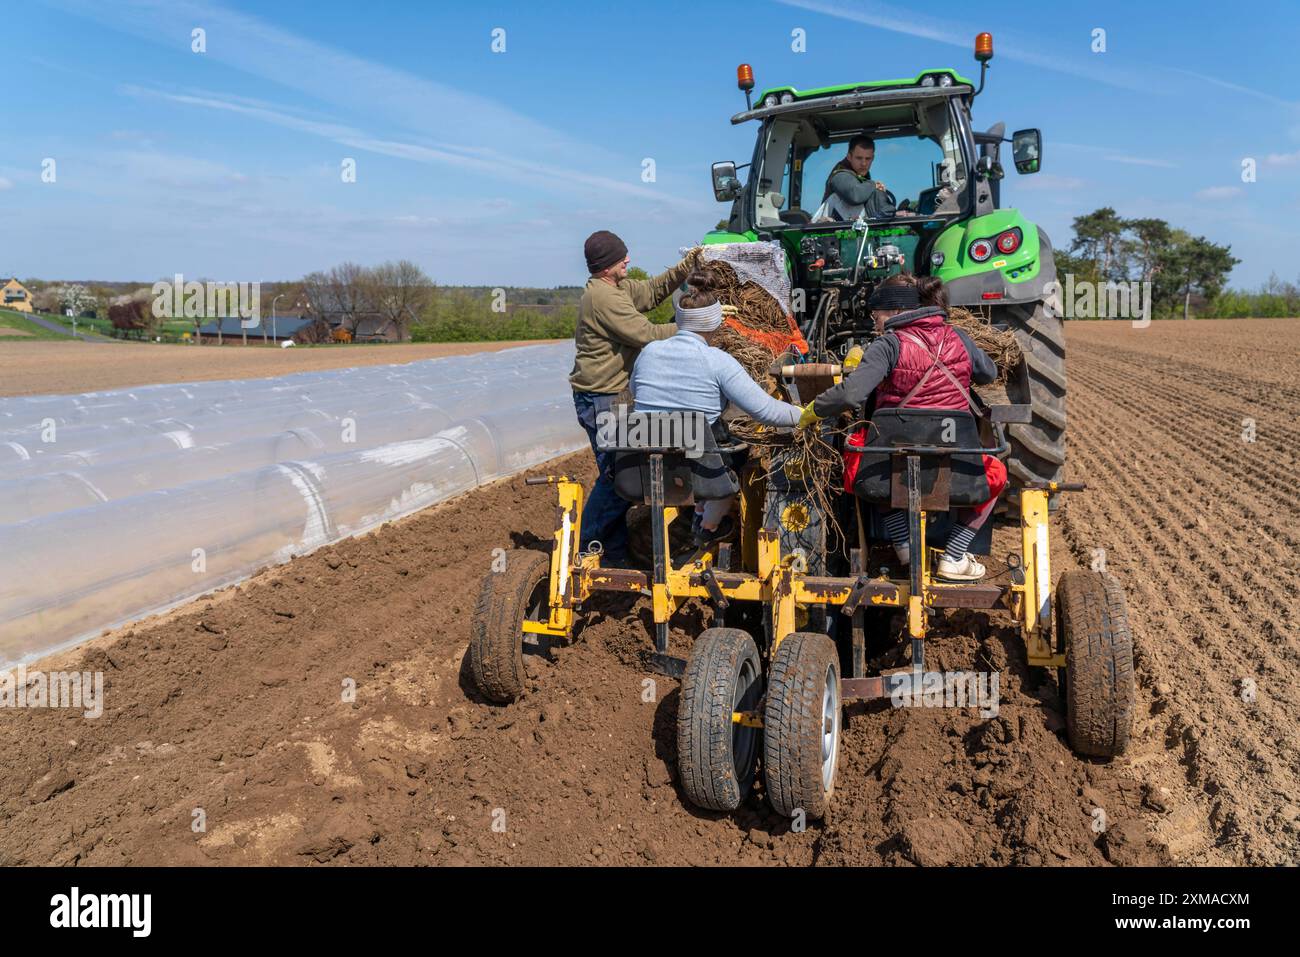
pixel 612 330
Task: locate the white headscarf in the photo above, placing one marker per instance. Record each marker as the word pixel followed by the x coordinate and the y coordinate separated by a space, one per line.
pixel 703 319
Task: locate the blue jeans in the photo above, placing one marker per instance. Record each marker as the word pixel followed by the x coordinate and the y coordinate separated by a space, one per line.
pixel 604 517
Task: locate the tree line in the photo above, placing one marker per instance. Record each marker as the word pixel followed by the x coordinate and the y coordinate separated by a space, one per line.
pixel 1184 270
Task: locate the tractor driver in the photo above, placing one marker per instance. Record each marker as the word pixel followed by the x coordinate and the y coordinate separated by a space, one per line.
pixel 850 190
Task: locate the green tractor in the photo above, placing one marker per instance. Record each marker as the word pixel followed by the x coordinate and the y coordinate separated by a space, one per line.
pixel 944 219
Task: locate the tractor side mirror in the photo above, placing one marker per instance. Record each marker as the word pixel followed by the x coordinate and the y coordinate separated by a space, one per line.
pixel 1027 150
pixel 726 186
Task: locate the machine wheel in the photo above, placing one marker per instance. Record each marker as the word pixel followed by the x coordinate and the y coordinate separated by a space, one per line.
pixel 801 725
pixel 1037 447
pixel 1092 620
pixel 715 756
pixel 519 593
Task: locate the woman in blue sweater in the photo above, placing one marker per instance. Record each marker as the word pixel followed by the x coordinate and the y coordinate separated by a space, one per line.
pixel 686 373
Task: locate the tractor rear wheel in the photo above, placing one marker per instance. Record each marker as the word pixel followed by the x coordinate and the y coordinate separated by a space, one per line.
pixel 520 592
pixel 1092 621
pixel 1037 447
pixel 801 725
pixel 716 757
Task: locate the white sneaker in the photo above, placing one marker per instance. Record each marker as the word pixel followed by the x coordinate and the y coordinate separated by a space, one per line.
pixel 966 570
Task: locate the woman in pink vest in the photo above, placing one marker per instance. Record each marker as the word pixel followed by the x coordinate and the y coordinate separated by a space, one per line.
pixel 919 362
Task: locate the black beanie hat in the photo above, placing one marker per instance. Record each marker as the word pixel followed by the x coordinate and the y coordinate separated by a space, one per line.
pixel 896 296
pixel 603 249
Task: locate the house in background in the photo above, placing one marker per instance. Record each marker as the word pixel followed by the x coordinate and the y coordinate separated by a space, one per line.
pixel 14 295
pixel 230 330
pixel 374 329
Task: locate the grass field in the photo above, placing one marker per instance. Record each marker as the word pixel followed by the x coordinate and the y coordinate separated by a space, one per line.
pixel 15 327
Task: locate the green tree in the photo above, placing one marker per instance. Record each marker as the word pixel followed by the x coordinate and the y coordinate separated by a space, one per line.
pixel 1191 265
pixel 1150 239
pixel 1099 237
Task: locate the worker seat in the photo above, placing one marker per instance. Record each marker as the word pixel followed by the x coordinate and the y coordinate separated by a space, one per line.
pixel 698 459
pixel 947 478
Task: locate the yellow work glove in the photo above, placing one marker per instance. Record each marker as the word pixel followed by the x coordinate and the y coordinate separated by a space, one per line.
pixel 809 417
pixel 852 359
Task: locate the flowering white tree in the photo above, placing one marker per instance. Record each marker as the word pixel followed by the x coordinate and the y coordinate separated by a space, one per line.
pixel 76 299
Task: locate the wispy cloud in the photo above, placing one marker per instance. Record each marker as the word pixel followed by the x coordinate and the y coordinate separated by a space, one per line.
pixel 429 121
pixel 1282 159
pixel 1141 161
pixel 473 159
pixel 908 21
pixel 1109 155
pixel 1238 88
pixel 1219 193
pixel 1050 183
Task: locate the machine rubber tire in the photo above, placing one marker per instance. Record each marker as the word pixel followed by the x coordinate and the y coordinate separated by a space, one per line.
pixel 1098 689
pixel 716 758
pixel 800 750
pixel 508 598
pixel 1037 447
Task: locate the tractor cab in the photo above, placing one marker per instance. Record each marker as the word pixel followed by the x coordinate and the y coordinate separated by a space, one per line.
pixel 923 154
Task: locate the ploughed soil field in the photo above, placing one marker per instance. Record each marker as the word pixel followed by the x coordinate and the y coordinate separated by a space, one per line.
pixel 37 368
pixel 232 713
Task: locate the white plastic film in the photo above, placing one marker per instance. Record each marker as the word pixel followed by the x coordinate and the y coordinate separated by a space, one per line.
pixel 117 505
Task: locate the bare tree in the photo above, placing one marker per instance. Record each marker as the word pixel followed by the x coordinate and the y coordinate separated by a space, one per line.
pixel 398 292
pixel 318 294
pixel 347 289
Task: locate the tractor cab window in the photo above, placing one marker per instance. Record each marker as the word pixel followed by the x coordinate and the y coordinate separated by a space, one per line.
pixel 914 169
pixel 918 157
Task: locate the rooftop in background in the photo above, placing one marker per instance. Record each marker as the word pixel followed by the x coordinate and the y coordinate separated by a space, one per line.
pixel 285 327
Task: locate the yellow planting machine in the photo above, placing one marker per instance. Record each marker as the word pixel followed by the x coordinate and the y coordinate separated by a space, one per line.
pixel 768 684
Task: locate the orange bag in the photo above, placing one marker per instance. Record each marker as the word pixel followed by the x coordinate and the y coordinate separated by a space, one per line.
pixel 775 341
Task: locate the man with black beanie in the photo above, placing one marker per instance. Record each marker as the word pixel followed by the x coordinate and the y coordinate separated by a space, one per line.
pixel 611 331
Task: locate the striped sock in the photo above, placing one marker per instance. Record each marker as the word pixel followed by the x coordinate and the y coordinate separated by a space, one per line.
pixel 896 528
pixel 959 540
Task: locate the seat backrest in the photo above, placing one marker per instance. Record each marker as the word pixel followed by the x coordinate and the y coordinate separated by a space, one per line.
pixel 694 470
pixel 942 428
pixel 938 427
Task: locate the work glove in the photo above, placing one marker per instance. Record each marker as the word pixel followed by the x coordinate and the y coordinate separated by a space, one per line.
pixel 851 359
pixel 692 259
pixel 809 417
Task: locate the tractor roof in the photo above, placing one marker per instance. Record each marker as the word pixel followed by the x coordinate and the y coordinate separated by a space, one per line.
pixel 926 83
pixel 957 78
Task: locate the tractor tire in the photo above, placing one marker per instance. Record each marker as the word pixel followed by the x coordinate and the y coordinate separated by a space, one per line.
pixel 519 593
pixel 1098 688
pixel 801 725
pixel 1037 447
pixel 716 758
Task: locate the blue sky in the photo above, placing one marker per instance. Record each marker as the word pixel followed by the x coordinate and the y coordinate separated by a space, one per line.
pixel 491 168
